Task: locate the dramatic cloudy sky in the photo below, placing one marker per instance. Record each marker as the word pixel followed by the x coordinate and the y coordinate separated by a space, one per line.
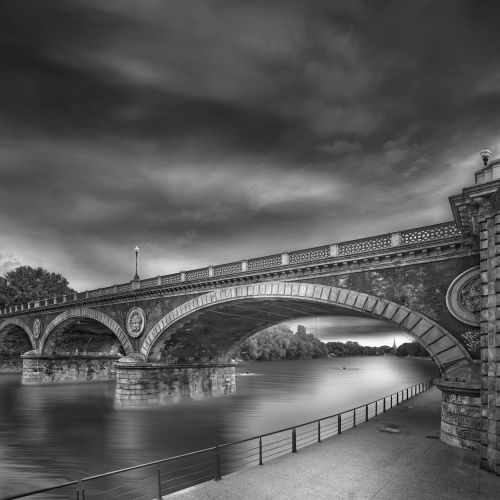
pixel 210 131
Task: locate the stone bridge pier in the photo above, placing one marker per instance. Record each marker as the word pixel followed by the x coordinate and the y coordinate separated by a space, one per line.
pixel 140 384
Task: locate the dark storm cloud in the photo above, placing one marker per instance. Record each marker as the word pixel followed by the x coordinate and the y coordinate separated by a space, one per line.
pixel 212 131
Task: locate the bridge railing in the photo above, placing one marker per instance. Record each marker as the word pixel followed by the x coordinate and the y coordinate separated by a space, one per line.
pixel 162 477
pixel 410 237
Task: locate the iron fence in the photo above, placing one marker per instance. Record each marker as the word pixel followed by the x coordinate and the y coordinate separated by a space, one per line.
pixel 154 479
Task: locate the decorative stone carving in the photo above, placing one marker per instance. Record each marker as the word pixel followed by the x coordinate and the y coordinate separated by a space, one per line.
pixel 470 296
pixel 136 320
pixel 463 297
pixel 37 326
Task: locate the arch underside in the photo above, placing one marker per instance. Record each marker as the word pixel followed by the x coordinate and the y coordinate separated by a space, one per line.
pixel 14 340
pixel 211 327
pixel 83 336
pixel 14 327
pixel 84 331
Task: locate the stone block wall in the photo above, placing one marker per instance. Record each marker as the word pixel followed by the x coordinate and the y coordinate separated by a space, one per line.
pixel 148 384
pixel 50 369
pixel 460 414
pixel 137 386
pixel 489 236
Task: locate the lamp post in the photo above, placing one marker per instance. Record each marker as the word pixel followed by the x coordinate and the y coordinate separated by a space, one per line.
pixel 136 250
pixel 485 155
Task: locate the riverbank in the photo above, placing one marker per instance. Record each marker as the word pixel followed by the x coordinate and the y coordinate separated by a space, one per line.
pixel 367 463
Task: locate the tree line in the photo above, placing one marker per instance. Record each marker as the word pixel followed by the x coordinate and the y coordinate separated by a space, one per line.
pixel 279 342
pixel 26 284
pixel 350 348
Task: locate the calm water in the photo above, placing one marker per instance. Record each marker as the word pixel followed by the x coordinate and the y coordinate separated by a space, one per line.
pixel 55 433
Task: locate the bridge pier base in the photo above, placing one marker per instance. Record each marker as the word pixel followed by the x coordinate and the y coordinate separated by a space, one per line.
pixel 460 413
pixel 140 384
pixel 38 369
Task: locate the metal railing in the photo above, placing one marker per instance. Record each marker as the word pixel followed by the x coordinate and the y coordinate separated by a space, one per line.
pixel 409 237
pixel 152 480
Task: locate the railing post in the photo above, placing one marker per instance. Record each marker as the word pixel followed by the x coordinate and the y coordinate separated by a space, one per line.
pixel 260 451
pixel 354 417
pixel 319 431
pixel 82 490
pixel 159 481
pixel 366 413
pixel 218 475
pixel 383 406
pixel 397 398
pixel 339 423
pixel 376 408
pixel 294 441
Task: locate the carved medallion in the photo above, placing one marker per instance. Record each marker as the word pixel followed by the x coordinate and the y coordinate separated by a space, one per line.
pixel 37 326
pixel 470 295
pixel 463 297
pixel 136 320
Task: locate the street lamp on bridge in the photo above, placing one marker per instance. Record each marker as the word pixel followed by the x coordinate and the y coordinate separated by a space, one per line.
pixel 136 250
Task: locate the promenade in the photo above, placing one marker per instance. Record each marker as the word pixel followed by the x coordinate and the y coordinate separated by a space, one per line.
pixel 366 463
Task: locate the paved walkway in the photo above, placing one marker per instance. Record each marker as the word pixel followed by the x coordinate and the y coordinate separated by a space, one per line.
pixel 366 463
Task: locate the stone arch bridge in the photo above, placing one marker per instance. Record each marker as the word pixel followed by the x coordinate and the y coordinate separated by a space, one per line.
pixel 171 337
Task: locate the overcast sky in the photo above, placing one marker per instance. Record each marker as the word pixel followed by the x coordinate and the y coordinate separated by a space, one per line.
pixel 208 132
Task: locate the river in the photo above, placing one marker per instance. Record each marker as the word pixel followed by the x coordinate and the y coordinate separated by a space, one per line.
pixel 56 433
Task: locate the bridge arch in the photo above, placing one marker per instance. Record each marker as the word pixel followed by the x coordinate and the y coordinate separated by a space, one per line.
pixel 21 324
pixel 85 312
pixel 444 348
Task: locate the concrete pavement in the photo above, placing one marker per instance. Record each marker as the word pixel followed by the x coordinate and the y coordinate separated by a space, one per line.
pixel 366 463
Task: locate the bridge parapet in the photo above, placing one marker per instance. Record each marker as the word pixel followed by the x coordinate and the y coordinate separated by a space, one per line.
pixel 446 232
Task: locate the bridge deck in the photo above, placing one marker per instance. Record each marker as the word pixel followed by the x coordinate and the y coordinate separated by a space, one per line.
pixel 367 463
pixel 379 250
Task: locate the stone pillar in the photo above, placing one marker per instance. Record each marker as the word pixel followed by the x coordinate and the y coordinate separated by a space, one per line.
pixel 137 383
pixel 140 384
pixel 477 212
pixel 460 413
pixel 489 235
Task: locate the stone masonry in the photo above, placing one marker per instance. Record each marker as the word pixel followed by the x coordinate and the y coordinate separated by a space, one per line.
pixel 140 384
pixel 49 369
pixel 477 211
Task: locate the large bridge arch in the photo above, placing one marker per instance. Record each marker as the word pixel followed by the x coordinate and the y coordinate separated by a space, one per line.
pixel 444 348
pixel 21 324
pixel 85 312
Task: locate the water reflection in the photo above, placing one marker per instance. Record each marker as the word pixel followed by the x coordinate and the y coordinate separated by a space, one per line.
pixel 56 433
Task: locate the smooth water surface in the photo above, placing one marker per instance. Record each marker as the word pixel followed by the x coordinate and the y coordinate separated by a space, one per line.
pixel 55 433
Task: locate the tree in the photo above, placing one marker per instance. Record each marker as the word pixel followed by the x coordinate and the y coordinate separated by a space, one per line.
pixel 25 284
pixel 411 349
pixel 279 342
